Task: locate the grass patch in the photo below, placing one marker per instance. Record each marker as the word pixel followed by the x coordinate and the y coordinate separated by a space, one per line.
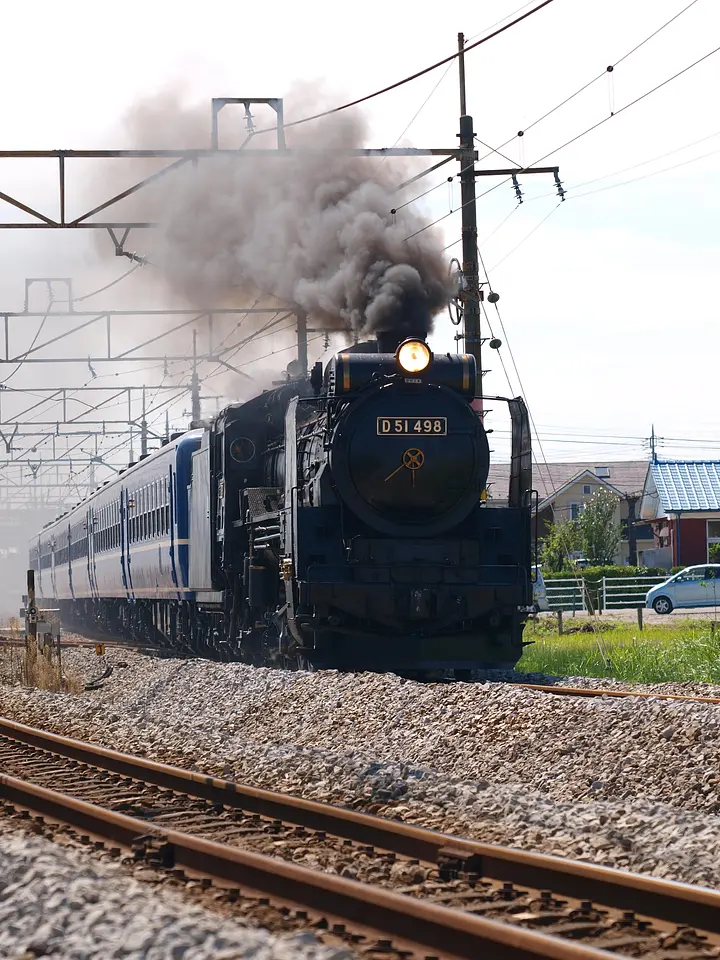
pixel 686 651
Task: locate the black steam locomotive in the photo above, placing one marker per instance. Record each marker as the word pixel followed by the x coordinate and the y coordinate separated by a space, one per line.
pixel 337 521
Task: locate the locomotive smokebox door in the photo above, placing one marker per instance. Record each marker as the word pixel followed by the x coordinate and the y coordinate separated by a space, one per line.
pixel 410 461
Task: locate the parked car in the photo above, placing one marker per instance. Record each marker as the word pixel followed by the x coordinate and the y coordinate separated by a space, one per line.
pixel 692 587
pixel 539 592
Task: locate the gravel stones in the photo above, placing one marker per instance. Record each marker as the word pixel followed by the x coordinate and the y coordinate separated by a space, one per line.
pixel 633 783
pixel 56 902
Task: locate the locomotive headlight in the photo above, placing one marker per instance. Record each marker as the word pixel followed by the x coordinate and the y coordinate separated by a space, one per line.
pixel 413 356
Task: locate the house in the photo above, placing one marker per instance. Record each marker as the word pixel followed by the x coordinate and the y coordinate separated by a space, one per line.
pixel 681 501
pixel 563 489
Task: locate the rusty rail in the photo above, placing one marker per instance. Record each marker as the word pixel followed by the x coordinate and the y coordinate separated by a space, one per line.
pixel 598 692
pixel 417 924
pixel 660 899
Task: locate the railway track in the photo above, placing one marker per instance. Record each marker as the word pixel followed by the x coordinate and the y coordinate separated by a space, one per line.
pixel 406 891
pixel 598 692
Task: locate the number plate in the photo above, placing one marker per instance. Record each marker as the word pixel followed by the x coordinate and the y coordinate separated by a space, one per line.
pixel 412 426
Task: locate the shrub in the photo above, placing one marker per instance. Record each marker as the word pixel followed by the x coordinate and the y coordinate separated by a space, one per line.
pixel 597 573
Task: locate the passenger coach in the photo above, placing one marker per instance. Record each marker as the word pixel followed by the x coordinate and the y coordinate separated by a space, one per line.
pixel 127 541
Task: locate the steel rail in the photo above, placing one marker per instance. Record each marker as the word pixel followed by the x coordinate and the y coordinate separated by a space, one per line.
pixel 660 899
pixel 600 692
pixel 420 924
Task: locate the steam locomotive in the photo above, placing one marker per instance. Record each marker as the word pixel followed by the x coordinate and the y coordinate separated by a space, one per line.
pixel 336 521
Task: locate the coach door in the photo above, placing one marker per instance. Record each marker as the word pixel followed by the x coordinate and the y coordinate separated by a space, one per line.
pixel 91 522
pixel 53 555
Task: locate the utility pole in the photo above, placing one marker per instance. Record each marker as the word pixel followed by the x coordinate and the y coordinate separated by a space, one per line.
pixel 632 531
pixel 471 283
pixel 143 427
pixel 653 451
pixel 470 295
pixel 195 384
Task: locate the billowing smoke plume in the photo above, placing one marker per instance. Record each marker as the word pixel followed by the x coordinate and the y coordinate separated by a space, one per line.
pixel 314 229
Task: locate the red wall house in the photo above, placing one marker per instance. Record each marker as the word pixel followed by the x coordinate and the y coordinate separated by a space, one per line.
pixel 687 538
pixel 689 541
pixel 681 499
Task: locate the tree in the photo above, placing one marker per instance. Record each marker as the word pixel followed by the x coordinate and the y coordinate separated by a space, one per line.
pixel 599 533
pixel 559 543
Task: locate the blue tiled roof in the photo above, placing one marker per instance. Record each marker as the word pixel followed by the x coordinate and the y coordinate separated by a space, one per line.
pixel 687 484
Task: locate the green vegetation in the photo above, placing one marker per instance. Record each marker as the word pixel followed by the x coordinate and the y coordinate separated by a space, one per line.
pixel 595 574
pixel 595 534
pixel 686 650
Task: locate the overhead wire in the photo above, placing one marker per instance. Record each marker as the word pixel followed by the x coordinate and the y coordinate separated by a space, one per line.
pixel 632 103
pixel 589 83
pixel 526 237
pixel 577 137
pixel 646 176
pixel 414 76
pixel 22 356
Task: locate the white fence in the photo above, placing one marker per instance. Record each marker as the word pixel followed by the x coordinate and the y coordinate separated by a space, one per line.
pixel 610 593
pixel 622 593
pixel 566 594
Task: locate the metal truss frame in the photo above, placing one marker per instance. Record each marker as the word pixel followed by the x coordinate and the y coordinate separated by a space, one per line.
pixel 47 472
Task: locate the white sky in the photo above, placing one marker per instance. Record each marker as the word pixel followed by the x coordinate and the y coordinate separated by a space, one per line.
pixel 609 306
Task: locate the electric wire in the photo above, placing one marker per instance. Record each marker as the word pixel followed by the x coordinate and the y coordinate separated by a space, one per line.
pixel 646 176
pixel 22 356
pixel 575 139
pixel 595 79
pixel 414 76
pixel 93 293
pixel 602 648
pixel 627 106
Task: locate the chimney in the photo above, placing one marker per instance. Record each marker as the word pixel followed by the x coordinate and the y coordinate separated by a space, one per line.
pixel 390 340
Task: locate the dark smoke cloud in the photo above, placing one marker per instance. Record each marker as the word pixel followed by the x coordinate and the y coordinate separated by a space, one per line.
pixel 312 229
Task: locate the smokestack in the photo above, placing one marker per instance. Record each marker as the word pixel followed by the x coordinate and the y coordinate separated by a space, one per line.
pixel 389 340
